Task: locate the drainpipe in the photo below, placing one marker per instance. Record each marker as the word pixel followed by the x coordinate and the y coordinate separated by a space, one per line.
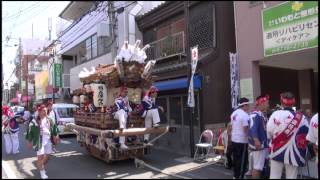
pixel 132 23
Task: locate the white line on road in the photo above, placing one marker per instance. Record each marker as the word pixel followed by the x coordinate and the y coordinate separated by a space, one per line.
pixel 8 171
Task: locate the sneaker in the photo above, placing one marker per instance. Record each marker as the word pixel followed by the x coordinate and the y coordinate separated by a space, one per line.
pixel 43 174
pixel 123 146
pixel 248 173
pixel 156 125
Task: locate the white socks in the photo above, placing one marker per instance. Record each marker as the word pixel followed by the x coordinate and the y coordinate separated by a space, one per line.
pixel 43 174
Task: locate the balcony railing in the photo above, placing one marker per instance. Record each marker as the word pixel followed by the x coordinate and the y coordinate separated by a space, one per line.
pixel 168 46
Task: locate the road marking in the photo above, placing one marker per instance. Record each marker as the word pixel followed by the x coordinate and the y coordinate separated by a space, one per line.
pixel 8 171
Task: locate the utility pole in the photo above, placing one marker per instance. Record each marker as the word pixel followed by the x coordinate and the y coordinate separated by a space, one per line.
pixel 27 79
pixel 50 27
pixel 113 27
pixel 53 80
pixel 186 11
pixel 20 65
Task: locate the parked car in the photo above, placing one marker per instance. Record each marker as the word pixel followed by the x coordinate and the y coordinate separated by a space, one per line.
pixel 64 115
pixel 17 109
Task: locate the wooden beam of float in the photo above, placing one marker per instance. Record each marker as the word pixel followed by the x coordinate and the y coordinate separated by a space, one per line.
pixel 89 130
pixel 135 131
pixel 124 132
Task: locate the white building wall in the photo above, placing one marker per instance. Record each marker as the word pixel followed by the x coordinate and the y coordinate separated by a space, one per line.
pixel 74 72
pixel 127 30
pixel 87 26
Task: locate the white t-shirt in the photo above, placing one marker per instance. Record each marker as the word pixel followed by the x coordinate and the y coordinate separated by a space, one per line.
pixel 313 130
pixel 239 119
pixel 45 128
pixel 52 116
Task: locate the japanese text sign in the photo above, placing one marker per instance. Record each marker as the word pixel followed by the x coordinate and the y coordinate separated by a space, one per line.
pixel 194 62
pixel 291 26
pixel 57 75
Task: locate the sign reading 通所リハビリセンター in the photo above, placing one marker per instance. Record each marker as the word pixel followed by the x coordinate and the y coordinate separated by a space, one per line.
pixel 291 26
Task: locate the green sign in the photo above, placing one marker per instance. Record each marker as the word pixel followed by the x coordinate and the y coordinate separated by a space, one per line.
pixel 57 70
pixel 291 26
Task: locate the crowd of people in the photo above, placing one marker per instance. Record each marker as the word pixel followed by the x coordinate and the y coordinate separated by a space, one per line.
pixel 263 144
pixel 42 132
pixel 256 143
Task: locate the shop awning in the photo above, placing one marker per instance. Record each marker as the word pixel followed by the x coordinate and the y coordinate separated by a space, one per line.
pixel 180 83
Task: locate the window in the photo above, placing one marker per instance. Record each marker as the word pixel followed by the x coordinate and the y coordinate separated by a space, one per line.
pixel 163 102
pixel 94 45
pixel 104 45
pixel 65 112
pixel 88 47
pixel 175 110
pixel 91 47
pixel 202 25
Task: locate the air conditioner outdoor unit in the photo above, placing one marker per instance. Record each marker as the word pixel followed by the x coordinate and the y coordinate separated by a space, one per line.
pixel 103 29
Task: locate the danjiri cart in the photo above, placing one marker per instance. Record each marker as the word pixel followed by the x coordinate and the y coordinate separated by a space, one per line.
pixel 95 126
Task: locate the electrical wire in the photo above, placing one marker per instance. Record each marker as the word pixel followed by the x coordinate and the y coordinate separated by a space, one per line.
pixel 117 7
pixel 79 20
pixel 11 75
pixel 33 15
pixel 17 14
pixel 14 25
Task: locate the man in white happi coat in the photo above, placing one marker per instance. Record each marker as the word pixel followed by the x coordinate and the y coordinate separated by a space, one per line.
pixel 10 129
pixel 287 131
pixel 123 112
pixel 313 134
pixel 151 113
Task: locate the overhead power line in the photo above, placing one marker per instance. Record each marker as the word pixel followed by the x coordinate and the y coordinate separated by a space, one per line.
pixel 30 8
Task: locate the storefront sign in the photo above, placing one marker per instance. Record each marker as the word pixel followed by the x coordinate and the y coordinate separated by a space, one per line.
pixel 41 83
pixel 194 62
pixel 291 26
pixel 57 75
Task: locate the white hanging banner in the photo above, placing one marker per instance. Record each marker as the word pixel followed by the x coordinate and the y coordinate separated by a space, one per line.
pixel 194 62
pixel 234 78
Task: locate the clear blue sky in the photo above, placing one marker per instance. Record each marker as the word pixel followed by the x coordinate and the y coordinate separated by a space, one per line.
pixel 17 19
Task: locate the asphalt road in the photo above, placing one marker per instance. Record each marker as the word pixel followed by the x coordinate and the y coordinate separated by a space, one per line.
pixel 72 161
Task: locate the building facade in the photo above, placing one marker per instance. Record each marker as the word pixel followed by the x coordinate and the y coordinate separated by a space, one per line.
pixel 96 33
pixel 172 29
pixel 276 56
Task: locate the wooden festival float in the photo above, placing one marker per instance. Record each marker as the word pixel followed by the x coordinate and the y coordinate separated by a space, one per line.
pixel 95 126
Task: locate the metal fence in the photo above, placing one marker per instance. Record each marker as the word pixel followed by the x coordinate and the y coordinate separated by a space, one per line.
pixel 167 46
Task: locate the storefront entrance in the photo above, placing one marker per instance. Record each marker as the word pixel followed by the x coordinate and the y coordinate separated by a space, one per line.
pixel 177 115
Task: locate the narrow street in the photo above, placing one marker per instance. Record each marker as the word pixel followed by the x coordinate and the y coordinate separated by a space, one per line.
pixel 72 161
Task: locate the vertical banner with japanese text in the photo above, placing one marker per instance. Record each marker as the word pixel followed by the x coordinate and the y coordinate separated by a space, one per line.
pixel 290 26
pixel 57 75
pixel 194 62
pixel 234 78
